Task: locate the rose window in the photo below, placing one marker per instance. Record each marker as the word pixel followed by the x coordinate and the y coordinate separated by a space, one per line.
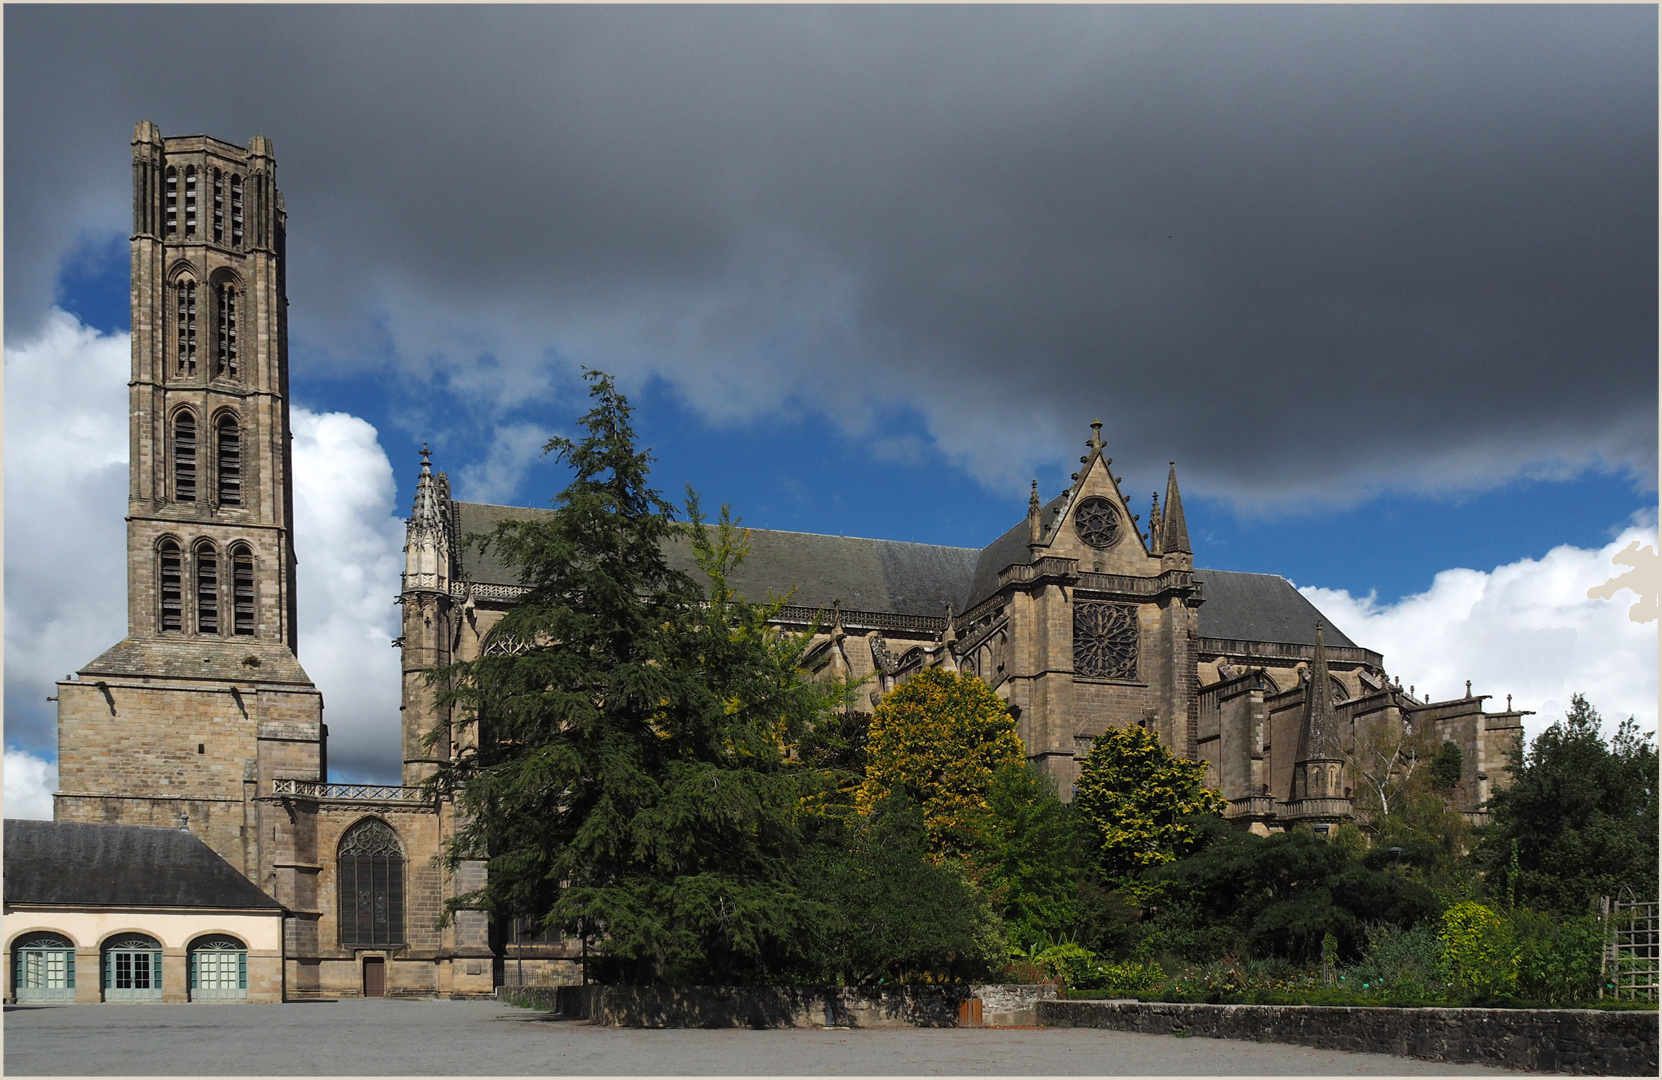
pixel 1097 522
pixel 1104 641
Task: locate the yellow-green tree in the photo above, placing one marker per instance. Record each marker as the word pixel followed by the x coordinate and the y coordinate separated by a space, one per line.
pixel 1135 792
pixel 939 739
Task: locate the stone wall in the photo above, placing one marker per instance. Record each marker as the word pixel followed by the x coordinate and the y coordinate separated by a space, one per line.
pixel 1542 1040
pixel 745 1006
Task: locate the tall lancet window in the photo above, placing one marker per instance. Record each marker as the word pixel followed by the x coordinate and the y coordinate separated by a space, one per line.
pixel 236 210
pixel 242 590
pixel 172 200
pixel 172 586
pixel 190 200
pixel 219 207
pixel 207 589
pixel 229 440
pixel 371 881
pixel 187 327
pixel 225 358
pixel 184 457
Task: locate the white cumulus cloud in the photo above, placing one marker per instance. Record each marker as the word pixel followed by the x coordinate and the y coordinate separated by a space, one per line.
pixel 66 579
pixel 348 542
pixel 1527 629
pixel 496 479
pixel 30 782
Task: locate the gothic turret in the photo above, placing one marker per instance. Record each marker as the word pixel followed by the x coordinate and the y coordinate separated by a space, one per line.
pixel 427 536
pixel 1318 796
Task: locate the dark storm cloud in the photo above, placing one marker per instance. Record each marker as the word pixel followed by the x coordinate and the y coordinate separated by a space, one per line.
pixel 1308 252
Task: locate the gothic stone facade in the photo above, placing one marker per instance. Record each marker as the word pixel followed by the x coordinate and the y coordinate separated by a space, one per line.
pixel 203 716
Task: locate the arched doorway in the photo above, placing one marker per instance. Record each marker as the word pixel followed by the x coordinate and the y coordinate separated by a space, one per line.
pixel 133 968
pixel 218 969
pixel 43 968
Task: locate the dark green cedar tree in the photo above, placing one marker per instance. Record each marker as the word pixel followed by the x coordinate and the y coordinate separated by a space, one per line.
pixel 629 782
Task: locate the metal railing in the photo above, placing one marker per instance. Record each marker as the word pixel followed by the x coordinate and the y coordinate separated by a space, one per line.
pixel 311 789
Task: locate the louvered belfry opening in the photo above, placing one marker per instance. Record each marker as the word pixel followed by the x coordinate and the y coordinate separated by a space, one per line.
pixel 242 585
pixel 172 200
pixel 225 352
pixel 371 885
pixel 219 207
pixel 190 200
pixel 184 458
pixel 186 321
pixel 236 210
pixel 172 586
pixel 230 461
pixel 207 589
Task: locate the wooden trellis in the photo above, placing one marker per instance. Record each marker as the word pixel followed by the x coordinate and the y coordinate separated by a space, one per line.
pixel 1628 968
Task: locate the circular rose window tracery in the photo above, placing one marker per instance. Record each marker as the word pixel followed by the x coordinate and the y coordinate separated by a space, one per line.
pixel 1097 522
pixel 1104 640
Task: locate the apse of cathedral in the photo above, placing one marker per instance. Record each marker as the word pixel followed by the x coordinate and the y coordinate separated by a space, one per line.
pixel 202 717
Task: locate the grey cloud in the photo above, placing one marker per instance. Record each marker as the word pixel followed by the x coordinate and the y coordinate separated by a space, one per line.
pixel 1311 253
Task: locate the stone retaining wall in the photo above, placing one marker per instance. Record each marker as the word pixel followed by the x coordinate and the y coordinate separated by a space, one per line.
pixel 745 1006
pixel 1559 1040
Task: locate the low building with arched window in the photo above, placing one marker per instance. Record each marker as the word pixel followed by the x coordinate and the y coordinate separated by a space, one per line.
pixel 133 913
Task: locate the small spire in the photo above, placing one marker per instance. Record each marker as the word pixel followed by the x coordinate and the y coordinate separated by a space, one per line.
pixel 837 631
pixel 1154 526
pixel 949 636
pixel 1174 531
pixel 426 460
pixel 1034 526
pixel 1468 688
pixel 1095 441
pixel 1315 738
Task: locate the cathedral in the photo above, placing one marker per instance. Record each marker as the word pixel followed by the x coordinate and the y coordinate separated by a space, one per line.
pixel 202 718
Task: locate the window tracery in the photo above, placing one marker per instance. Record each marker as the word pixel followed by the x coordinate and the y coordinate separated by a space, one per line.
pixel 1105 640
pixel 1097 522
pixel 371 882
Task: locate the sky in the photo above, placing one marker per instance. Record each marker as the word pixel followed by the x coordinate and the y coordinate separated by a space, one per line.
pixel 1382 281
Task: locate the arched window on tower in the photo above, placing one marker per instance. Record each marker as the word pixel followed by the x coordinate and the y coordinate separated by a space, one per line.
pixel 225 343
pixel 190 200
pixel 187 327
pixel 229 440
pixel 236 210
pixel 219 207
pixel 207 588
pixel 184 457
pixel 172 586
pixel 242 590
pixel 371 885
pixel 172 200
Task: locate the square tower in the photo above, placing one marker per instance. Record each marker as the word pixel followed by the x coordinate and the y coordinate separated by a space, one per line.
pixel 203 704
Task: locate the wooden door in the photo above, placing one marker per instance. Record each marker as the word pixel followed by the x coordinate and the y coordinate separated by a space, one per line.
pixel 375 977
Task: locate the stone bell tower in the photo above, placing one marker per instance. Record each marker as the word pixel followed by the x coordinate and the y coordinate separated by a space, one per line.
pixel 190 718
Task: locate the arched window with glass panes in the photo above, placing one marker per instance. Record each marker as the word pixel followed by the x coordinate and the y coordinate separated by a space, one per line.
pixel 371 863
pixel 184 456
pixel 228 469
pixel 43 968
pixel 218 969
pixel 133 968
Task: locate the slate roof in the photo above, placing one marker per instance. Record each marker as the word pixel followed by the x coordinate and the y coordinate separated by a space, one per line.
pixel 921 579
pixel 72 864
pixel 1260 607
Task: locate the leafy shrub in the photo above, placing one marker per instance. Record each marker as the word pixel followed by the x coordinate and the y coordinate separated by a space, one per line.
pixel 1479 954
pixel 1400 965
pixel 1558 958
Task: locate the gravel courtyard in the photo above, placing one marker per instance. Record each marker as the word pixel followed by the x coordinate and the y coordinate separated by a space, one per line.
pixel 389 1037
